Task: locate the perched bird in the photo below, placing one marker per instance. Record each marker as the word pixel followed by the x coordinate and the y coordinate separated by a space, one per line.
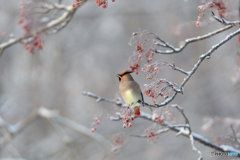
pixel 130 91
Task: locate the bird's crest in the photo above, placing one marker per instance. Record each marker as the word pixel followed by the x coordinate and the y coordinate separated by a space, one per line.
pixel 127 71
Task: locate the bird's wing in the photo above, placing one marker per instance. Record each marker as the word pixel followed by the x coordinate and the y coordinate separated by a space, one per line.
pixel 142 99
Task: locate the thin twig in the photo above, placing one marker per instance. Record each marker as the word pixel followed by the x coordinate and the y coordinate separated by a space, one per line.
pixel 201 58
pixel 194 148
pixel 234 135
pixel 99 99
pixel 155 133
pixel 180 109
pixel 178 69
pixel 190 40
pixel 224 21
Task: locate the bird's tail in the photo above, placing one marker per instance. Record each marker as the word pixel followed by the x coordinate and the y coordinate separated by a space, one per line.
pixel 137 110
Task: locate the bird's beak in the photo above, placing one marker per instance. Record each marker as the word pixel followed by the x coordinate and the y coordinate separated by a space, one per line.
pixel 118 75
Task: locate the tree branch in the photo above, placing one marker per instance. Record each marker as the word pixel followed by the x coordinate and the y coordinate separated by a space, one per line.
pixel 174 128
pixel 53 117
pixel 224 21
pixel 187 41
pixel 201 58
pixel 58 23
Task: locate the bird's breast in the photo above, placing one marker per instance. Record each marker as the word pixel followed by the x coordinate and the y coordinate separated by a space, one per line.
pixel 130 97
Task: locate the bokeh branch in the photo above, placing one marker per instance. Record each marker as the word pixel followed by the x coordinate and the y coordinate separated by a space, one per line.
pixel 53 117
pixel 53 26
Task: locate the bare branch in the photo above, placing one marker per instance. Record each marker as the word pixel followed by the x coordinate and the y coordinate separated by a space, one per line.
pixel 224 21
pixel 194 148
pixel 201 58
pixel 180 109
pixel 178 69
pixel 179 129
pixel 190 40
pixel 119 103
pixel 234 135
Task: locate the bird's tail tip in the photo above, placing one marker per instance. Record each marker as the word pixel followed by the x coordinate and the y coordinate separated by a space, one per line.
pixel 137 111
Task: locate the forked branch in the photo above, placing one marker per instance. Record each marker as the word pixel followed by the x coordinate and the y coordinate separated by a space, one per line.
pixel 179 129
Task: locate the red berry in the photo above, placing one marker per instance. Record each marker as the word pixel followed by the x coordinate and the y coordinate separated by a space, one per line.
pixel 93 129
pixel 129 125
pixel 104 6
pixel 132 118
pixel 197 24
pixel 73 5
pixel 136 72
pixel 96 1
pixel 150 59
pixel 113 0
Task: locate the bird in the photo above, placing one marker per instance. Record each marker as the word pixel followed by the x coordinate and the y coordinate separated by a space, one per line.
pixel 130 91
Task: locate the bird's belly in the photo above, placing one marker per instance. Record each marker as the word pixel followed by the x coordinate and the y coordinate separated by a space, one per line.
pixel 130 97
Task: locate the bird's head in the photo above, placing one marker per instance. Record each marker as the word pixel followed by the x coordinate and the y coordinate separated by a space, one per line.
pixel 125 75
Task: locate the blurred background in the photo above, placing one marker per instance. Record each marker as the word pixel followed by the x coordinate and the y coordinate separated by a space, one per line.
pixel 87 55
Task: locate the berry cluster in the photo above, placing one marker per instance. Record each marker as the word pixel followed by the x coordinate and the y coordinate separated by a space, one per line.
pixel 219 5
pixel 154 68
pixel 26 22
pixel 163 114
pixel 98 118
pixel 118 140
pixel 128 116
pixel 103 3
pixel 34 43
pixel 160 87
pixel 78 3
pixel 145 48
pixel 96 122
pixel 152 137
